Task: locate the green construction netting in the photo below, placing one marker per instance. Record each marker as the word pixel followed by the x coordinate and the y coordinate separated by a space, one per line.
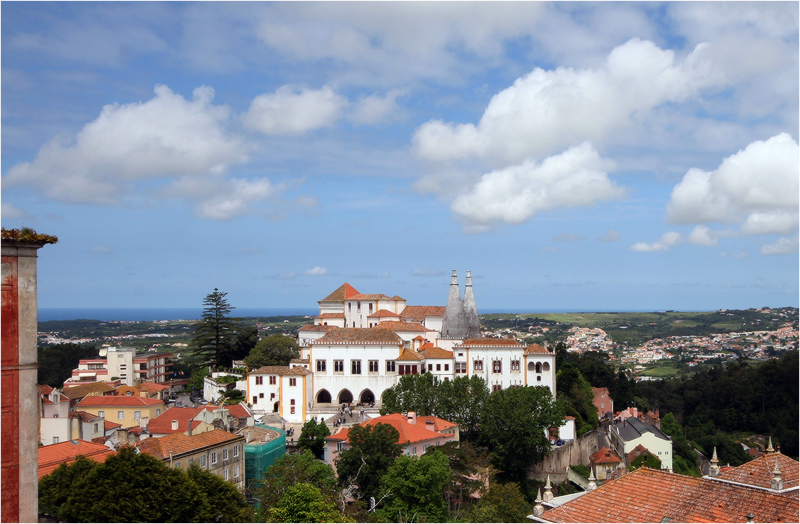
pixel 258 457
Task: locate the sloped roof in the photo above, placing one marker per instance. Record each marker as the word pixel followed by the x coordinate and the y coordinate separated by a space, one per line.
pixel 437 352
pixel 342 292
pixel 316 327
pixel 409 354
pixel 491 342
pixel 373 335
pixel 632 428
pixel 53 455
pixel 408 433
pixel 178 443
pixel 162 424
pixel 758 472
pixel 404 326
pixel 381 313
pixel 419 313
pixel 153 386
pixel 82 390
pixel 84 416
pixel 330 315
pixel 648 495
pixel 119 401
pixel 374 296
pixel 534 349
pixel 269 370
pixel 298 370
pixel 605 456
pixel 110 425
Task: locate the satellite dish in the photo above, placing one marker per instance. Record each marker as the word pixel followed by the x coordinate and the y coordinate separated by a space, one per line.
pixel 103 352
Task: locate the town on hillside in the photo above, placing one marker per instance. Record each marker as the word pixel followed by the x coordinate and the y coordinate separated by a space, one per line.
pixel 379 406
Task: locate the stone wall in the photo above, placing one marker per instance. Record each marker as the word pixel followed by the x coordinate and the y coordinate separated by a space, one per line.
pixel 577 451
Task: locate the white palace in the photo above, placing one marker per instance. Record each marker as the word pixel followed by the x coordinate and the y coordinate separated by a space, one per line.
pixel 360 344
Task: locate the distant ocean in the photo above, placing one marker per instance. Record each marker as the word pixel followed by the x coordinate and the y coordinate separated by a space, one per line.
pixel 152 314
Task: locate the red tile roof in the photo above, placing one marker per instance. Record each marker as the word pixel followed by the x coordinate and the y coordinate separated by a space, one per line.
pixel 270 370
pixel 342 292
pixel 375 296
pixel 316 327
pixel 418 313
pixel 436 352
pixel 84 416
pixel 648 495
pixel 53 455
pixel 395 325
pixel 81 390
pixel 111 425
pixel 178 443
pixel 374 335
pixel 410 354
pixel 491 342
pixel 162 424
pixel 330 315
pixel 758 472
pixel 536 349
pixel 121 401
pixel 605 456
pixel 383 313
pixel 408 433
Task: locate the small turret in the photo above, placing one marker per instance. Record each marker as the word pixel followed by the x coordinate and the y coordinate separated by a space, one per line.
pixel 592 484
pixel 769 447
pixel 548 493
pixel 538 509
pixel 714 464
pixel 776 483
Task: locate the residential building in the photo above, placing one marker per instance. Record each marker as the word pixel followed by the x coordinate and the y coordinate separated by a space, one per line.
pixel 76 392
pixel 200 420
pixel 604 463
pixel 631 432
pixel 217 451
pixel 218 382
pixel 603 402
pixel 123 364
pixel 281 389
pixel 129 411
pixel 415 434
pixel 53 455
pixel 263 446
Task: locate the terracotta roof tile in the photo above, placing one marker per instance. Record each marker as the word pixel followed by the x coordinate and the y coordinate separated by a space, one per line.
pixel 605 456
pixel 436 352
pixel 491 342
pixel 298 370
pixel 536 349
pixel 418 313
pixel 178 443
pixel 404 326
pixel 81 390
pixel 111 425
pixel 374 335
pixel 84 416
pixel 122 401
pixel 383 313
pixel 758 472
pixel 408 433
pixel 316 327
pixel 409 355
pixel 648 495
pixel 162 424
pixel 270 370
pixel 53 455
pixel 374 296
pixel 342 292
pixel 330 315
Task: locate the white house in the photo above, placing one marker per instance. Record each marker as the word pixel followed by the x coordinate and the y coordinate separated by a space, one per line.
pixel 632 432
pixel 280 389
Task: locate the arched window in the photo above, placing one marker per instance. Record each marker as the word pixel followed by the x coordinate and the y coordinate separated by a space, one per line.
pixel 345 397
pixel 538 367
pixel 323 397
pixel 531 366
pixel 546 366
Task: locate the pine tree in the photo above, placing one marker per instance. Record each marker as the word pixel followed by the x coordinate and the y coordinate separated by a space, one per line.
pixel 216 332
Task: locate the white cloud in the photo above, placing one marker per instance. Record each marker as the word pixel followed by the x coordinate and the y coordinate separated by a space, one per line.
pixel 317 271
pixel 11 211
pixel 374 108
pixel 573 178
pixel 102 250
pixel 426 273
pixel 665 242
pixel 564 237
pixel 703 236
pixel 742 254
pixel 127 144
pixel 292 110
pixel 547 111
pixel 756 187
pixel 782 246
pixel 610 236
pixel 218 198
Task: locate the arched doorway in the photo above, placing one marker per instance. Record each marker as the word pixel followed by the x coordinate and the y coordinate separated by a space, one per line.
pixel 345 397
pixel 323 397
pixel 275 408
pixel 531 366
pixel 367 397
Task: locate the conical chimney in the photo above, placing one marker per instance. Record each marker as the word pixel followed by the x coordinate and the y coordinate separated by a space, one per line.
pixel 471 310
pixel 454 324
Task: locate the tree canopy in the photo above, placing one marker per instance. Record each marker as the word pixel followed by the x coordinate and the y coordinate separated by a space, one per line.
pixel 215 334
pixel 133 487
pixel 274 350
pixel 292 469
pixel 374 450
pixel 515 425
pixel 502 503
pixel 304 503
pixel 312 437
pixel 413 489
pixel 56 362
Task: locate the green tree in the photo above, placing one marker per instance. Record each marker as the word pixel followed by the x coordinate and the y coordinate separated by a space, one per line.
pixel 56 362
pixel 215 333
pixel 470 469
pixel 312 437
pixel 196 380
pixel 514 426
pixel 225 502
pixel 374 450
pixel 412 393
pixel 246 339
pixel 413 489
pixel 54 489
pixel 127 487
pixel 290 470
pixel 304 503
pixel 274 350
pixel 502 503
pixel 576 391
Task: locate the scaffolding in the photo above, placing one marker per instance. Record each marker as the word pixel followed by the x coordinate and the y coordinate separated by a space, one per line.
pixel 262 452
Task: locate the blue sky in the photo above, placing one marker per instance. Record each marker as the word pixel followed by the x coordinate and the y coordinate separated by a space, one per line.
pixel 582 156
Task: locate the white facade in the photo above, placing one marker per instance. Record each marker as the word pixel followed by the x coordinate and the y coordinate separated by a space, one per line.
pixel 280 389
pixel 120 364
pixel 632 432
pixel 213 390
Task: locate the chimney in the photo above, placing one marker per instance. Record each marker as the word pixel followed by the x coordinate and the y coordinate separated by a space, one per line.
pixel 190 426
pixel 714 471
pixel 538 509
pixel 592 484
pixel 174 425
pixel 548 494
pixel 750 517
pixel 122 438
pixel 429 425
pixel 412 417
pixel 776 483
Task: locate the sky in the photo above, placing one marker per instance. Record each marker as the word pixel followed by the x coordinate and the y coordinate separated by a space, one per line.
pixel 574 156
